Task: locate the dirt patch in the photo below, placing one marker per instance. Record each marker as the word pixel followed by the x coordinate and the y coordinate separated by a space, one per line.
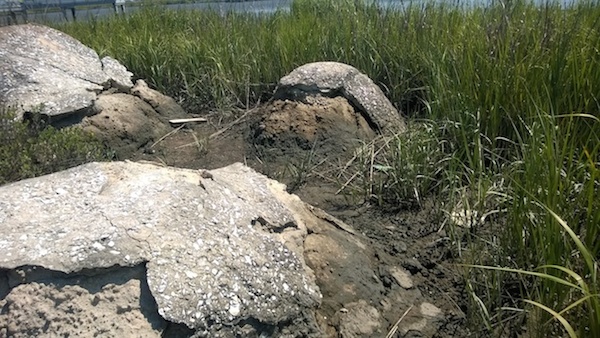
pixel 407 268
pixel 39 308
pixel 295 140
pixel 125 123
pixel 287 125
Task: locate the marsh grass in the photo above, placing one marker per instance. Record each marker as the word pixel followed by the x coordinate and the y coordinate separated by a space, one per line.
pixel 31 148
pixel 399 169
pixel 513 89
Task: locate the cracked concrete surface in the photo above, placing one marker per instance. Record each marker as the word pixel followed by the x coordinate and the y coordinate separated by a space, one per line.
pixel 216 256
pixel 43 301
pixel 46 71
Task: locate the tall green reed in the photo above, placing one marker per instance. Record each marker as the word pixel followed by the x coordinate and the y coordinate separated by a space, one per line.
pixel 514 88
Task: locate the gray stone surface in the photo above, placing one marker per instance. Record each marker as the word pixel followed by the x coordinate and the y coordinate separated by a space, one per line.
pixel 46 71
pixel 223 254
pixel 164 105
pixel 125 123
pixel 83 307
pixel 333 79
pixel 402 277
pixel 359 319
pixel 422 321
pixel 118 75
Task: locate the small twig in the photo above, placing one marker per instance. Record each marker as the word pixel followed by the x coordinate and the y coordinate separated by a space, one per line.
pixel 371 168
pixel 326 175
pixel 186 145
pixel 445 294
pixel 443 223
pixel 167 135
pixel 238 120
pixel 347 183
pixel 350 162
pixel 357 152
pixel 395 327
pixel 161 161
pixel 192 119
pixel 195 143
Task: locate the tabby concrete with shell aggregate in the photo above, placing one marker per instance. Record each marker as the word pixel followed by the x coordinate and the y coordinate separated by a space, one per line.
pixel 218 251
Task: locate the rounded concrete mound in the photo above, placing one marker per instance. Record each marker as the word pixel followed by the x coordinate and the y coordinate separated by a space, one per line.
pixel 333 79
pixel 318 120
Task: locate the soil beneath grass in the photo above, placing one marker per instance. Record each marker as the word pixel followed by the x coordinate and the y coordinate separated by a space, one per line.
pixel 304 145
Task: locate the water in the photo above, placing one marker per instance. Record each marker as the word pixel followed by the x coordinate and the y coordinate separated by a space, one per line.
pixel 257 7
pixel 55 15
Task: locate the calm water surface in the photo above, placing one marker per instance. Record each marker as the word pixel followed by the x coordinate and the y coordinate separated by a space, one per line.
pixel 257 7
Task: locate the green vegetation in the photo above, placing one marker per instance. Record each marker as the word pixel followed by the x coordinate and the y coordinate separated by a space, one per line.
pixel 30 149
pixel 511 97
pixel 400 170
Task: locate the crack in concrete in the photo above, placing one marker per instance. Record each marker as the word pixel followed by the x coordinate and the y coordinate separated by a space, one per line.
pixel 127 230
